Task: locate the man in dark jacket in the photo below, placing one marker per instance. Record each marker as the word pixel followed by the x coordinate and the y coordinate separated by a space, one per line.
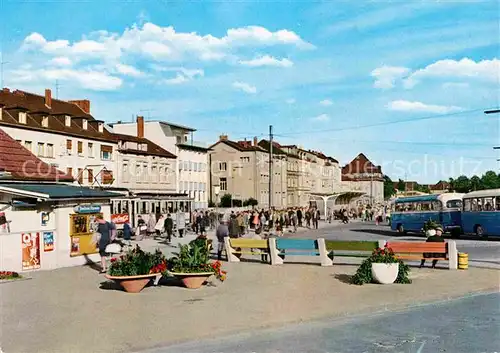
pixel 434 239
pixel 169 226
pixel 221 232
pixel 234 229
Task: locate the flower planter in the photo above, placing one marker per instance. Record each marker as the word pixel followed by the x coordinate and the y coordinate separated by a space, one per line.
pixel 385 273
pixel 192 280
pixel 133 284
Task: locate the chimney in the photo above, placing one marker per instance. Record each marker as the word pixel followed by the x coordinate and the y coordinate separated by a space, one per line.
pixel 48 98
pixel 223 138
pixel 140 126
pixel 83 104
pixel 255 143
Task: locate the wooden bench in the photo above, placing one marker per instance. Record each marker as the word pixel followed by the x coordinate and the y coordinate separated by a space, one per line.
pixel 352 248
pixel 298 247
pixel 235 247
pixel 416 251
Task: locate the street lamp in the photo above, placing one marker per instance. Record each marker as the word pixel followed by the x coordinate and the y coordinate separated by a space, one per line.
pixel 216 192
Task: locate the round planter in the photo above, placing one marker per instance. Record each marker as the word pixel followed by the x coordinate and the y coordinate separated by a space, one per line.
pixel 192 280
pixel 133 284
pixel 385 273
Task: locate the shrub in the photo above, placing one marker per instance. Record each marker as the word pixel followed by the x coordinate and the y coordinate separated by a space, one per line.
pixel 138 262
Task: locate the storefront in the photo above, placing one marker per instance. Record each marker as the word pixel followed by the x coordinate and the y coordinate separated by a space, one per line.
pixel 48 226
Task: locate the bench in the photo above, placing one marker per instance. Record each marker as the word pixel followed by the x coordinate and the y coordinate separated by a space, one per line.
pixel 352 248
pixel 416 250
pixel 235 247
pixel 298 247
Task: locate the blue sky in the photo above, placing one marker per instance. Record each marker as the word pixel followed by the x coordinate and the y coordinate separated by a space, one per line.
pixel 336 76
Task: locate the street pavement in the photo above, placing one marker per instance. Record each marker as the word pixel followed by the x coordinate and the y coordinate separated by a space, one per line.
pixel 466 325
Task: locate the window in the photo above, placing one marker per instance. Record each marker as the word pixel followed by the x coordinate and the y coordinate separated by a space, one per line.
pixel 40 149
pixel 28 145
pixel 80 175
pixel 180 165
pixel 138 172
pixel 85 124
pixel 245 159
pixel 106 153
pixel 67 121
pixel 50 151
pixel 223 167
pixel 454 204
pixel 45 121
pixel 69 146
pixel 223 184
pixel 80 147
pixel 162 174
pixel 191 185
pixel 125 172
pixel 107 177
pixel 90 174
pixel 90 150
pixel 69 171
pixel 154 174
pixel 195 166
pixel 22 117
pixel 101 127
pixel 190 165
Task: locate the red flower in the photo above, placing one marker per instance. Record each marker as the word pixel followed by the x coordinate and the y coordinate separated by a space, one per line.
pixel 113 259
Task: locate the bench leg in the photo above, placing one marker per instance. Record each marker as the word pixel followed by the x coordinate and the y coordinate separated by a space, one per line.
pixel 229 251
pixel 323 253
pixel 452 255
pixel 157 279
pixel 275 258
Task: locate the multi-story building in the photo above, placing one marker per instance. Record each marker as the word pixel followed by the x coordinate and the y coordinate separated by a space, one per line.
pixel 65 135
pixel 363 176
pixel 191 166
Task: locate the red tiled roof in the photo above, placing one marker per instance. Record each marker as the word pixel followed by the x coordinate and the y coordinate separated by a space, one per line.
pixel 359 165
pixel 441 185
pixel 24 165
pixel 242 146
pixel 153 148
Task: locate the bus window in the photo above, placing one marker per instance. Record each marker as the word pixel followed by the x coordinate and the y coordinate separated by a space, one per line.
pixel 497 203
pixel 467 205
pixel 454 204
pixel 488 204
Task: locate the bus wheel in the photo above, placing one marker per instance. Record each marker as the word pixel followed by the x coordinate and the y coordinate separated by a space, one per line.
pixel 455 233
pixel 479 231
pixel 401 229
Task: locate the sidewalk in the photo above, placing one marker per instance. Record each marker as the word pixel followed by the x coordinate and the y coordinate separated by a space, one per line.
pixel 77 310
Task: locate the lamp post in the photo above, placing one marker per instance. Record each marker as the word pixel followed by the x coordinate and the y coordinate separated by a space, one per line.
pixel 216 192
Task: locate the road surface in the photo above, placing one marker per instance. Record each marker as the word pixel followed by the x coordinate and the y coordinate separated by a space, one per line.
pixel 467 325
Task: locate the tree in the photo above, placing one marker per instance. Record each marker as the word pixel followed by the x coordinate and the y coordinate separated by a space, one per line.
pixel 250 202
pixel 490 180
pixel 401 185
pixel 388 187
pixel 476 183
pixel 225 200
pixel 461 184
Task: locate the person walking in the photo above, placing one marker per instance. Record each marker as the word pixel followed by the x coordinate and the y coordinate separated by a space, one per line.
pixel 151 224
pixel 141 228
pixel 169 227
pixel 127 233
pixel 234 229
pixel 221 233
pixel 181 223
pixel 299 217
pixel 104 229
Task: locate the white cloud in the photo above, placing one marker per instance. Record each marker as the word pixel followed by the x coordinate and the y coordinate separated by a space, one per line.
pixel 326 102
pixel 60 61
pixel 455 85
pixel 267 60
pixel 408 106
pixel 290 101
pixel 182 74
pixel 322 117
pixel 176 80
pixel 386 76
pixel 128 70
pixel 487 70
pixel 245 87
pixel 93 80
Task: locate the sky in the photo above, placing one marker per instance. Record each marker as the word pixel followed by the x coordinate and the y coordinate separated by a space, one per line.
pixel 404 82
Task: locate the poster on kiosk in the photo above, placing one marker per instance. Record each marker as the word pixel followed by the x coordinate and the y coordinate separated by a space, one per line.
pixel 83 226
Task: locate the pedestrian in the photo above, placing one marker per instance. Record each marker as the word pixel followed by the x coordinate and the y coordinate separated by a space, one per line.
pixel 169 226
pixel 141 228
pixel 181 223
pixel 299 217
pixel 221 232
pixel 437 238
pixel 127 233
pixel 234 229
pixel 104 229
pixel 151 224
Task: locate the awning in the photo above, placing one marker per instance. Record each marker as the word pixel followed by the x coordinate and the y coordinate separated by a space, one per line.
pixel 55 191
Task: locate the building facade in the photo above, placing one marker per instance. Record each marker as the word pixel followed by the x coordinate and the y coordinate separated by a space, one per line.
pixel 363 176
pixel 191 165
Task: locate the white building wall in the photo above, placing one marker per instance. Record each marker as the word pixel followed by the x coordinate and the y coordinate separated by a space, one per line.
pixel 63 159
pixel 192 170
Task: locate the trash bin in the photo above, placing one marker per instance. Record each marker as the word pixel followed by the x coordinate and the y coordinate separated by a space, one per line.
pixel 463 261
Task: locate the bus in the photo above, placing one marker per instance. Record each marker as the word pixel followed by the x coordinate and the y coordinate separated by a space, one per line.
pixel 481 212
pixel 409 214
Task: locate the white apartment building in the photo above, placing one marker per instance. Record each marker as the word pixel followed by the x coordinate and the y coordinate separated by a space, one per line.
pixel 191 166
pixel 363 176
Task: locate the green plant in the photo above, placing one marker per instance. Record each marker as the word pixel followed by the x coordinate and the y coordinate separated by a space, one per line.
pixel 430 224
pixel 138 262
pixel 194 258
pixel 250 202
pixel 9 275
pixel 381 255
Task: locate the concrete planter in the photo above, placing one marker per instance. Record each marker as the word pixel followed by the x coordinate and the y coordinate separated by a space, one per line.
pixel 385 273
pixel 133 284
pixel 192 280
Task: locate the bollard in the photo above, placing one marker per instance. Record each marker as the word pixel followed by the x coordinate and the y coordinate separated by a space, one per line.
pixel 463 261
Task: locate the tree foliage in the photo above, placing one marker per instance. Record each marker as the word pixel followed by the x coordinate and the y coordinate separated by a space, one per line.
pixel 463 184
pixel 388 187
pixel 250 202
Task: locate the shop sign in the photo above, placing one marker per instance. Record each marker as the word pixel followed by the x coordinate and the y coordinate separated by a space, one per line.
pixel 48 241
pixel 30 251
pixel 120 218
pixel 87 209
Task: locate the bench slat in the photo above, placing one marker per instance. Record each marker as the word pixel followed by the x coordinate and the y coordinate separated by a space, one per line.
pixel 355 245
pixel 409 247
pixel 414 257
pixel 299 253
pixel 299 244
pixel 249 243
pixel 251 252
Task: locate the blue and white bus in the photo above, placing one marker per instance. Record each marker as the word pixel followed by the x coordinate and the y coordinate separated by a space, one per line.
pixel 410 213
pixel 481 212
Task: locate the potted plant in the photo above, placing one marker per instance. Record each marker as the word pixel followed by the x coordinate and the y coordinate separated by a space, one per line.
pixel 9 276
pixel 192 266
pixel 383 267
pixel 136 268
